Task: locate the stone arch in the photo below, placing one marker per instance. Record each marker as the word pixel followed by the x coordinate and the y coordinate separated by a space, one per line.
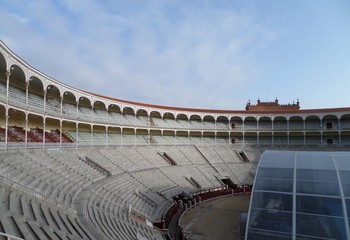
pixel 313 138
pixel 17 87
pixel 222 123
pixel 3 70
pixel 114 115
pixel 265 123
pixel 84 109
pixel 280 123
pixel 155 119
pixel 169 119
pixel 53 100
pixel 250 123
pixel 69 105
pixel 296 123
pixel 330 122
pixel 345 122
pixel 36 95
pixel 312 122
pixel 236 123
pixel 142 118
pixel 209 122
pixel 196 121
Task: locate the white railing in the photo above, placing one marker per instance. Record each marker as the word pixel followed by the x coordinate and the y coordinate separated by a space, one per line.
pixel 10 237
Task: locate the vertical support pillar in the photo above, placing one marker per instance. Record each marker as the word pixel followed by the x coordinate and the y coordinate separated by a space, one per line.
pixel 304 132
pixel 121 136
pixel 6 127
pixel 26 131
pixel 61 123
pixel 243 133
pixel 106 135
pixel 44 130
pixel 61 129
pixel 91 135
pixel 273 132
pixel 76 134
pixel 45 92
pixel 8 73
pixel 27 94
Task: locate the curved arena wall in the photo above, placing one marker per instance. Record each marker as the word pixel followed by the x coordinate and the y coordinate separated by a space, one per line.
pixel 30 99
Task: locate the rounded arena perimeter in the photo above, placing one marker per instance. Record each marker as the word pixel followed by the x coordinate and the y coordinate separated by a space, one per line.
pixel 77 165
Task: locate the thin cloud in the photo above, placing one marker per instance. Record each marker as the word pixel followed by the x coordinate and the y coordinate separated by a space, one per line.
pixel 191 58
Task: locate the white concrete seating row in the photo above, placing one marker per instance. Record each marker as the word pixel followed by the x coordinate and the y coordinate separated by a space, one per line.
pixel 242 170
pixel 193 155
pixel 220 154
pixel 141 178
pixel 108 211
pixel 25 217
pixel 39 171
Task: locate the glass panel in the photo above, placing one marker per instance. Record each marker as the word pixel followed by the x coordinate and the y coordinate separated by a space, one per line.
pixel 314 160
pixel 322 188
pixel 319 205
pixel 278 185
pixel 273 159
pixel 347 203
pixel 317 175
pixel 273 220
pixel 285 173
pixel 346 189
pixel 301 237
pixel 272 201
pixel 263 235
pixel 344 176
pixel 320 226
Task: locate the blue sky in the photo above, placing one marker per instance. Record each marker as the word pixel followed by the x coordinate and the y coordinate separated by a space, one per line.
pixel 201 54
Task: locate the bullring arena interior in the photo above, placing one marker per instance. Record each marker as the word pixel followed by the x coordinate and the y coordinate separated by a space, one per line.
pixel 77 165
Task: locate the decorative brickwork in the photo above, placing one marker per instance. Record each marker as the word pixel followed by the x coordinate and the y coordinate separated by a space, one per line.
pixel 272 106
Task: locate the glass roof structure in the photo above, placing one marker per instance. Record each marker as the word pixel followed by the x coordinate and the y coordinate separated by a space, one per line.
pixel 300 195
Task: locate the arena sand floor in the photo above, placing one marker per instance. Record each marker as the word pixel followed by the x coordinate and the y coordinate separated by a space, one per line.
pixel 215 220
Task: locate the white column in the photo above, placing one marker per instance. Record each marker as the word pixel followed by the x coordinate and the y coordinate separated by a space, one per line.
pixel 106 135
pixel 8 73
pixel 6 127
pixel 61 129
pixel 44 130
pixel 91 135
pixel 76 134
pixel 27 95
pixel 26 132
pixel 45 92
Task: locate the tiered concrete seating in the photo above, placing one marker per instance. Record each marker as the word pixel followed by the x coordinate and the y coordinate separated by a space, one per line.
pixel 25 217
pixel 50 183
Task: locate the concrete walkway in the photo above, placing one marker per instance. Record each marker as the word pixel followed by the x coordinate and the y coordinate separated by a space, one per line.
pixel 215 220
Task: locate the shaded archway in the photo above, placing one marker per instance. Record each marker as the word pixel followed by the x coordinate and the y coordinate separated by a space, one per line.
pixel 330 122
pixel 280 123
pixel 85 109
pixel 250 123
pixel 222 123
pixel 100 114
pixel 236 123
pixel 17 87
pixel 296 138
pixel 53 101
pixel 296 123
pixel 265 124
pixel 155 119
pixel 35 95
pixel 69 108
pixel 114 114
pixel 313 138
pixel 312 123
